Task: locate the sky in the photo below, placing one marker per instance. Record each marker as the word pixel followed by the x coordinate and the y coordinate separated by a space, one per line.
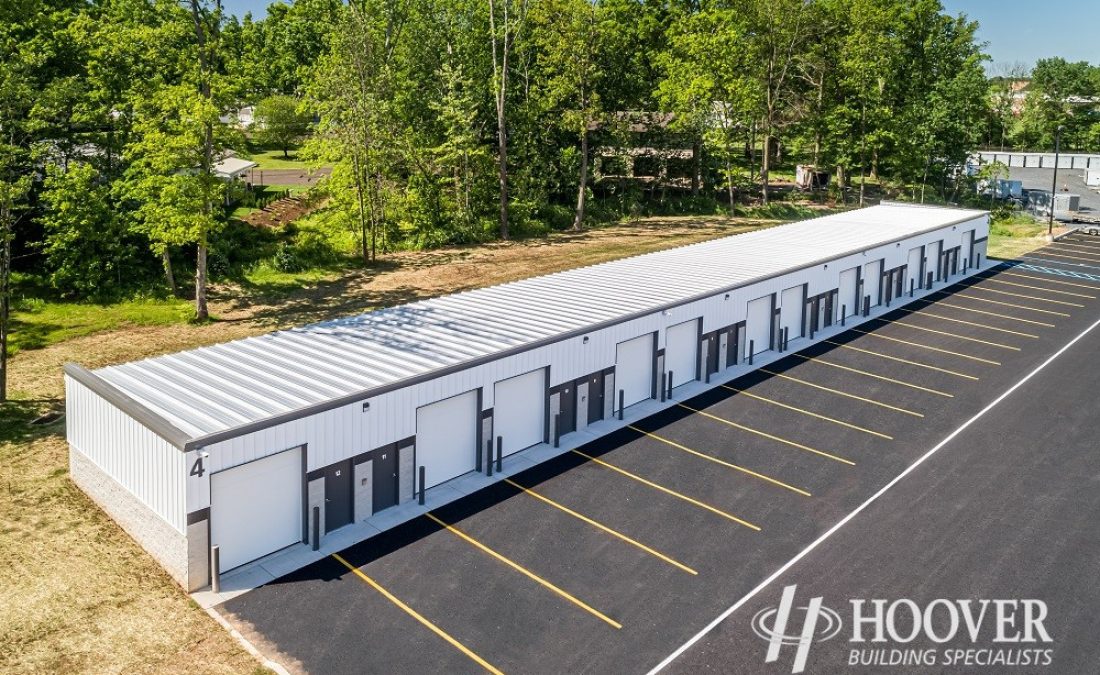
pixel 1015 30
pixel 1026 30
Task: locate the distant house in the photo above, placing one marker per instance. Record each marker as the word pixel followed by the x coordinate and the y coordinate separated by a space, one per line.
pixel 640 148
pixel 242 118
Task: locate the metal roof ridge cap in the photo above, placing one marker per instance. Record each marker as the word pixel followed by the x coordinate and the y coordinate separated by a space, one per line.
pixel 132 408
pixel 354 397
pixel 916 205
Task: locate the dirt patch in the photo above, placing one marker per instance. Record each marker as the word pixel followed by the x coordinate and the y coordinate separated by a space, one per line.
pixel 281 212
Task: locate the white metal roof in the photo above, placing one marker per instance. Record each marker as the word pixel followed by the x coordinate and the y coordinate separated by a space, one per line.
pixel 222 387
pixel 231 167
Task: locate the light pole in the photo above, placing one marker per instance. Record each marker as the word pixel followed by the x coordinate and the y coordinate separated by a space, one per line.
pixel 1054 185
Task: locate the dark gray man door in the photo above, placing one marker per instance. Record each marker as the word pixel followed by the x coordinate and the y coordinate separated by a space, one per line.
pixel 712 353
pixel 338 503
pixel 384 473
pixel 595 397
pixel 568 418
pixel 735 346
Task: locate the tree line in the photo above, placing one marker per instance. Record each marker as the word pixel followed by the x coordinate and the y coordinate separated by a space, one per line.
pixel 453 121
pixel 1027 106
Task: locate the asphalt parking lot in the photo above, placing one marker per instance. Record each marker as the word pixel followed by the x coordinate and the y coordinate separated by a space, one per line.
pixel 610 558
pixel 1068 179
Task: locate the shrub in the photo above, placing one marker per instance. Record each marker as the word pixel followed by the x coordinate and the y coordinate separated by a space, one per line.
pixel 308 248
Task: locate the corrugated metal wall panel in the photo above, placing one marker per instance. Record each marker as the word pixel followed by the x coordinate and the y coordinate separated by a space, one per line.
pixel 146 465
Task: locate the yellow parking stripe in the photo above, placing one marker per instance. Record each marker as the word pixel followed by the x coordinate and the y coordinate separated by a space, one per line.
pixel 928 347
pixel 765 434
pixel 1041 288
pixel 875 376
pixel 523 570
pixel 416 615
pixel 842 393
pixel 1044 279
pixel 662 488
pixel 842 423
pixel 1026 297
pixel 1009 304
pixel 599 526
pixel 970 323
pixel 954 335
pixel 901 360
pixel 941 303
pixel 711 458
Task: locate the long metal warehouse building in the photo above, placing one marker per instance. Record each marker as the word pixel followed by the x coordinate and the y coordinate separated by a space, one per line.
pixel 236 444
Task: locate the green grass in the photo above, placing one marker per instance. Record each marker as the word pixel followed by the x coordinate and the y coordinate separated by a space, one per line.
pixel 272 158
pixel 1014 234
pixel 38 323
pixel 1016 225
pixel 272 283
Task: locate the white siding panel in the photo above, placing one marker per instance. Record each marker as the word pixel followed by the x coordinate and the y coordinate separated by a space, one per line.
pixel 149 467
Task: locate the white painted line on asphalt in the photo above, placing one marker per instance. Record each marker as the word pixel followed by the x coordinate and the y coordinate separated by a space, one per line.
pixel 844 521
pixel 1060 262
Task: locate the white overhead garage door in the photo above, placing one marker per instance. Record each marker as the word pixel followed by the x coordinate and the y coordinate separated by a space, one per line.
pixel 446 438
pixel 790 312
pixel 967 253
pixel 682 351
pixel 872 273
pixel 912 269
pixel 933 256
pixel 256 508
pixel 847 292
pixel 519 410
pixel 634 369
pixel 758 325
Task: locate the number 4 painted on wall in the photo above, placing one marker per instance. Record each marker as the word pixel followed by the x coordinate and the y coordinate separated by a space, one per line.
pixel 197 468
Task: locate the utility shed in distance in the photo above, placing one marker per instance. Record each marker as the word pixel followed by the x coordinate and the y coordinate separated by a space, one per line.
pixel 236 444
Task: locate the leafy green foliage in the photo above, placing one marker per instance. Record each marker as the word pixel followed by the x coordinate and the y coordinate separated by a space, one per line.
pixel 281 124
pixel 88 249
pixel 110 113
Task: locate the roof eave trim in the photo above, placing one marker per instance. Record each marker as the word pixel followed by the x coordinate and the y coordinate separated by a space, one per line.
pixel 349 399
pixel 139 412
